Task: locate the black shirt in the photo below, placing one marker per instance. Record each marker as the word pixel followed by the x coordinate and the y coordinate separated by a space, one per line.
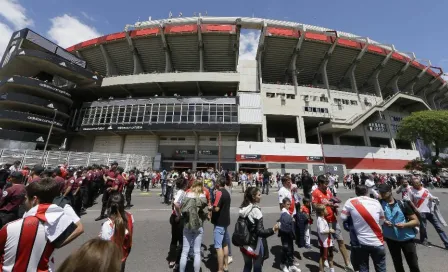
pixel 222 200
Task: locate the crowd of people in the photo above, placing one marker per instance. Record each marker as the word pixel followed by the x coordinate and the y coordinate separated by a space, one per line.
pixel 40 210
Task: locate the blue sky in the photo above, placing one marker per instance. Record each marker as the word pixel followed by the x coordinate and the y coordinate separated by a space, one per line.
pixel 412 26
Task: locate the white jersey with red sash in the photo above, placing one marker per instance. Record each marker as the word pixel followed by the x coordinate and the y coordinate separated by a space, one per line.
pixel 27 244
pixel 368 216
pixel 108 230
pixel 420 198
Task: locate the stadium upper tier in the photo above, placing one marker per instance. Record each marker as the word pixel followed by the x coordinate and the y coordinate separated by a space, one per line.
pixel 288 53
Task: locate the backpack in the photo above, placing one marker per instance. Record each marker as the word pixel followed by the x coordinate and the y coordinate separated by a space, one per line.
pixel 241 234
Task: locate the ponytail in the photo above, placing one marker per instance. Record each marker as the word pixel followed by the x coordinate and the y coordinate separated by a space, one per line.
pixel 118 216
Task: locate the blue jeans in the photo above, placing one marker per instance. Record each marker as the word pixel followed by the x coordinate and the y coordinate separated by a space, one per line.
pixel 163 187
pixel 378 255
pixel 227 238
pixel 435 222
pixel 266 186
pixel 191 238
pixel 257 263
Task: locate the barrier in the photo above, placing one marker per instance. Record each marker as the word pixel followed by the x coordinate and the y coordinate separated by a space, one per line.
pixel 54 158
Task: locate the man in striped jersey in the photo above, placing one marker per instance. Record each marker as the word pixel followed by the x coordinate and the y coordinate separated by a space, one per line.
pixel 28 244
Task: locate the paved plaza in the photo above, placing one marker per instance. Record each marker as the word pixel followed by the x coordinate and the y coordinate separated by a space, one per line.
pixel 152 236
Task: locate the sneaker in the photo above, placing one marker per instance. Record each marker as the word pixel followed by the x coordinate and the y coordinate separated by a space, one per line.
pixel 284 268
pixel 326 264
pixel 308 247
pixel 349 268
pixel 292 268
pixel 229 260
pixel 296 264
pixel 101 217
pixel 426 244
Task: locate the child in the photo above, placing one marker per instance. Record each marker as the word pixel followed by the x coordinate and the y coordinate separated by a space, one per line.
pixel 286 234
pixel 324 236
pixel 306 210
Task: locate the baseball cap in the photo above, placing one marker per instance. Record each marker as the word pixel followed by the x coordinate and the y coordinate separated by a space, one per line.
pixel 38 169
pixel 114 163
pixel 16 175
pixel 384 188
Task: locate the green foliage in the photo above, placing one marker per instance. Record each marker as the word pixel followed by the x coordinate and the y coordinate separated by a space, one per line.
pixel 430 126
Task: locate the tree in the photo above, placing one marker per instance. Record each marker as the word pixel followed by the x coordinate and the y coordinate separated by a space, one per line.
pixel 429 126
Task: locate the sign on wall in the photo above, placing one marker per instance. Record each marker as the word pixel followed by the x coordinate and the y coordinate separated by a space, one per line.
pixel 251 157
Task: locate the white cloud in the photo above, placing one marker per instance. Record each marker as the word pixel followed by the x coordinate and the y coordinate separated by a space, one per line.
pixel 87 16
pixel 249 45
pixel 67 30
pixel 5 36
pixel 15 14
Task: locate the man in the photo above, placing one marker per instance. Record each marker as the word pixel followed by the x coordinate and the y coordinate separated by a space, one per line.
pixel 307 183
pixel 399 229
pixel 57 176
pixel 266 184
pixel 423 201
pixel 15 167
pixel 28 244
pixel 322 195
pixel 130 183
pixel 221 220
pixel 35 173
pixel 11 199
pixel 110 185
pixel 367 216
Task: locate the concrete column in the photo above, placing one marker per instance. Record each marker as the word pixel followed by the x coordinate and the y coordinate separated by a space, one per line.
pixel 392 143
pixel 366 137
pixel 336 139
pixel 264 129
pixel 395 85
pixel 111 70
pixel 301 130
pixel 376 84
pixel 196 147
pixel 325 78
pixel 413 146
pixel 122 140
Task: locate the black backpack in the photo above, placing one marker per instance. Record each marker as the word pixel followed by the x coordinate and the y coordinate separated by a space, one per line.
pixel 241 234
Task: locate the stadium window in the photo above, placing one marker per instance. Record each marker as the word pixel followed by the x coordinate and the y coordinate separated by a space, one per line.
pixel 290 96
pixel 323 99
pixel 353 102
pixel 337 100
pixel 270 95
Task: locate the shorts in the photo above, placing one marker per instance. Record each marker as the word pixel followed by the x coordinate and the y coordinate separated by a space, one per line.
pixel 337 235
pixel 326 252
pixel 219 235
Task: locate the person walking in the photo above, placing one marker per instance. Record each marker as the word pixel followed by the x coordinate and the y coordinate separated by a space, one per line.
pixel 130 183
pixel 423 201
pixel 367 216
pixel 256 251
pixel 195 211
pixel 399 229
pixel 266 184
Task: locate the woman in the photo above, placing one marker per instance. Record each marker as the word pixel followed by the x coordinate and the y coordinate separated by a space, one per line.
pixel 194 210
pixel 95 255
pixel 119 226
pixel 257 251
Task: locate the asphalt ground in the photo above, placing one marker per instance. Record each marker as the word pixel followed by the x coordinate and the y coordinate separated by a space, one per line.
pixel 152 235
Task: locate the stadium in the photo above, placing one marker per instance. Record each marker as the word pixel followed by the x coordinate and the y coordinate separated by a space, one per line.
pixel 175 90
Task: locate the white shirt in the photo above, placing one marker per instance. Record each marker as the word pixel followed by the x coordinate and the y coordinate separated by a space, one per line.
pixel 178 197
pixel 367 219
pixel 423 204
pixel 405 191
pixel 285 193
pixel 331 181
pixel 324 239
pixel 12 168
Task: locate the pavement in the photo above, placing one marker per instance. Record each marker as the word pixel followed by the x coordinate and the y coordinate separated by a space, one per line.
pixel 152 235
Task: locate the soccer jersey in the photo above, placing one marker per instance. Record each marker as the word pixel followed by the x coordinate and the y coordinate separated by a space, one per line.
pixel 367 216
pixel 321 198
pixel 286 193
pixel 421 199
pixel 323 234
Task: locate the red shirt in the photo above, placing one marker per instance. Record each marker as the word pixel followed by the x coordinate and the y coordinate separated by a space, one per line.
pixel 321 198
pixel 31 179
pixel 12 197
pixel 110 174
pixel 304 209
pixel 61 183
pixel 131 180
pixel 120 182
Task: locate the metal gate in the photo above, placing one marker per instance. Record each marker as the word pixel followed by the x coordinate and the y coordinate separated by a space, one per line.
pixel 320 169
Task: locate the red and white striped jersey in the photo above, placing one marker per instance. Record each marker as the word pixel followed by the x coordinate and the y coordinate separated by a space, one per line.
pixel 28 244
pixel 368 216
pixel 421 199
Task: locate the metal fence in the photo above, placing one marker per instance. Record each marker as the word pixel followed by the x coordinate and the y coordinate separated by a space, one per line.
pixel 54 158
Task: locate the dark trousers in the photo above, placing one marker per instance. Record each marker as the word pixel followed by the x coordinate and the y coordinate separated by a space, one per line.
pixel 266 186
pixel 169 194
pixel 409 252
pixel 85 196
pixel 177 229
pixel 145 184
pixel 287 250
pixel 104 201
pixel 77 199
pixel 307 191
pixel 378 255
pixel 128 194
pixel 424 217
